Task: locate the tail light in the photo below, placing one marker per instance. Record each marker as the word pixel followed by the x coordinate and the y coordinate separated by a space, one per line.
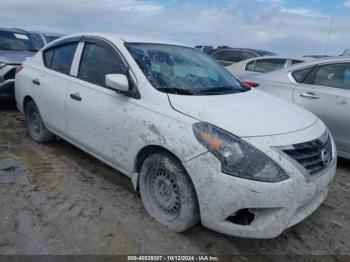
pixel 251 84
pixel 18 69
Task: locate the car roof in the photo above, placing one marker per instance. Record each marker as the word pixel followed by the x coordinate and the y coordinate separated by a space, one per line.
pixel 123 38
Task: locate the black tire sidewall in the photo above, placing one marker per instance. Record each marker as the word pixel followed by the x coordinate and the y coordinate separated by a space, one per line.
pixel 188 214
pixel 43 135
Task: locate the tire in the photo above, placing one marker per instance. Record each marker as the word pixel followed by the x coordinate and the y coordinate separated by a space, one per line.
pixel 167 192
pixel 35 124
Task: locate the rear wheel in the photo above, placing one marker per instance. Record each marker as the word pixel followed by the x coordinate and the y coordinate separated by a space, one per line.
pixel 167 192
pixel 35 124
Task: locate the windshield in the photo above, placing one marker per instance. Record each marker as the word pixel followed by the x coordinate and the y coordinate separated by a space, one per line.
pixel 14 41
pixel 183 70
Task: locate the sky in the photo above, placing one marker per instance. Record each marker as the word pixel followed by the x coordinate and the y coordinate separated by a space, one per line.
pixel 287 27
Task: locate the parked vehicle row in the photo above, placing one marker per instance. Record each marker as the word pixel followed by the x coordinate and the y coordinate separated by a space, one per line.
pixel 321 86
pixel 264 64
pixel 197 143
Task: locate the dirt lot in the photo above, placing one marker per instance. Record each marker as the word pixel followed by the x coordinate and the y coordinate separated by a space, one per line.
pixel 55 199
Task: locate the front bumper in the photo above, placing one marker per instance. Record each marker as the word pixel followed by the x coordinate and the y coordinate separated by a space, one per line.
pixel 275 206
pixel 7 82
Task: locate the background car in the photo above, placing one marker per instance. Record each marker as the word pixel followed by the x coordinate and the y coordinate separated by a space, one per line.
pixel 229 56
pixel 45 38
pixel 321 86
pixel 209 49
pixel 263 64
pixel 15 46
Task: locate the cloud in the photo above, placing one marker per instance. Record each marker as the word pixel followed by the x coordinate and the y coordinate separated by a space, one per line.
pixel 347 4
pixel 264 24
pixel 302 12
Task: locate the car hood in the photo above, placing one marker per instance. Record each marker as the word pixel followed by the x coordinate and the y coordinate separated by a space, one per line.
pixel 14 57
pixel 248 114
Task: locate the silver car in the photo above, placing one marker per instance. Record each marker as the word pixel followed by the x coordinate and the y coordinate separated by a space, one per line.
pixel 15 46
pixel 321 86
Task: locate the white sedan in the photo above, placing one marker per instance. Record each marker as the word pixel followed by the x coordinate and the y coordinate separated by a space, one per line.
pixel 196 143
pixel 264 64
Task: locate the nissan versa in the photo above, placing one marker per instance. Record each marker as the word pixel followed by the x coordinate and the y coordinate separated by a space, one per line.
pixel 196 143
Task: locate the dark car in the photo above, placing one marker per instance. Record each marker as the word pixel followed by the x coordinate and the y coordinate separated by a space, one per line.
pixel 209 49
pixel 45 38
pixel 229 56
pixel 15 46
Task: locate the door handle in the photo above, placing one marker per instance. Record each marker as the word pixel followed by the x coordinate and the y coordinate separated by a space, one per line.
pixel 36 81
pixel 76 96
pixel 310 95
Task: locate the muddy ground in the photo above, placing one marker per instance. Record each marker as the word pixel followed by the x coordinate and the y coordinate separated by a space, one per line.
pixel 55 199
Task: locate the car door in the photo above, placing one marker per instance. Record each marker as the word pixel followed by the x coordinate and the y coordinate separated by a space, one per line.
pixel 51 85
pixel 97 117
pixel 326 92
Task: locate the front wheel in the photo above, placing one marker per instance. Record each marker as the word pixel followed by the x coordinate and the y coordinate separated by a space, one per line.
pixel 167 192
pixel 36 127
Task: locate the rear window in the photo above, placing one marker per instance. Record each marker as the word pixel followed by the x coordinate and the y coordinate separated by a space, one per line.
pixel 300 75
pixel 60 58
pixel 268 65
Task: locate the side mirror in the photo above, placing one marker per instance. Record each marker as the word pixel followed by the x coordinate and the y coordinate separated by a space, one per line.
pixel 117 82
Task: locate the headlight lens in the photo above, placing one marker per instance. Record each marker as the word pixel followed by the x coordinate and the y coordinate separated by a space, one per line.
pixel 237 157
pixel 2 64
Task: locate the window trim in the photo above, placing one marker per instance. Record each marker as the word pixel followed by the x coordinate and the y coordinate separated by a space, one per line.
pixel 291 78
pixel 43 52
pixel 247 63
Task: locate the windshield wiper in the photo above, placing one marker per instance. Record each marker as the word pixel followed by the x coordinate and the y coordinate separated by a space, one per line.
pixel 176 91
pixel 218 91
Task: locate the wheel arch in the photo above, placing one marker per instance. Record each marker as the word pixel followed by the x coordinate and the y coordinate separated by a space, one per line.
pixel 26 100
pixel 143 154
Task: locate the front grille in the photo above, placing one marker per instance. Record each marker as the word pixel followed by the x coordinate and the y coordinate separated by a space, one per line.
pixel 314 156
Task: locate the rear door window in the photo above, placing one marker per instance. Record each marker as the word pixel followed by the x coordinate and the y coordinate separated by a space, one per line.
pixel 294 62
pixel 268 65
pixel 332 75
pixel 300 75
pixel 60 58
pixel 250 66
pixel 97 62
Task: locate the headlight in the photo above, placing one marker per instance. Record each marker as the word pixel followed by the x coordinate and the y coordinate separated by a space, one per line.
pixel 2 64
pixel 237 157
